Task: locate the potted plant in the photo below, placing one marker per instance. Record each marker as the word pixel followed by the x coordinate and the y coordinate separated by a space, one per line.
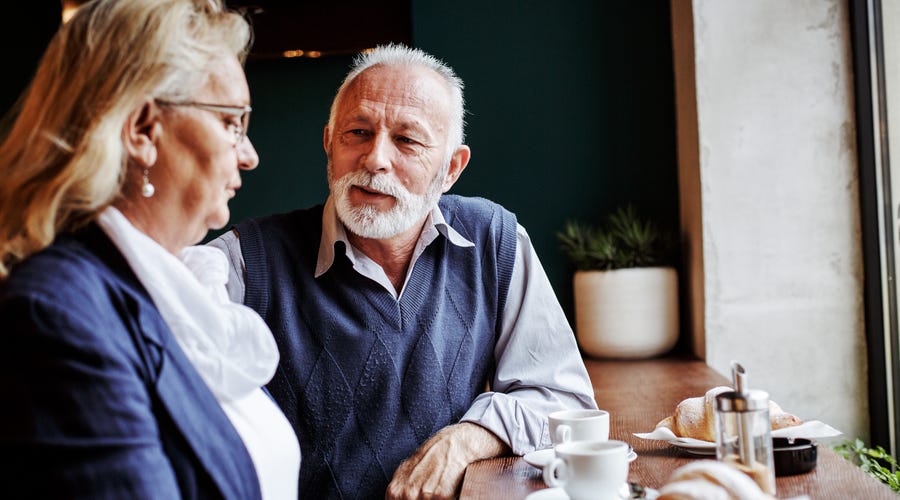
pixel 626 297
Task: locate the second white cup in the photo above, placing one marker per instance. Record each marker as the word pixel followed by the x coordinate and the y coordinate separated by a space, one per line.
pixel 589 470
pixel 579 425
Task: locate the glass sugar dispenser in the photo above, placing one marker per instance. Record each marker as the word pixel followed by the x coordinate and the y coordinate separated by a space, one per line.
pixel 744 431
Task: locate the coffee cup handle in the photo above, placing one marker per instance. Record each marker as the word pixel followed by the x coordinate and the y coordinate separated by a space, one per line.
pixel 563 433
pixel 554 467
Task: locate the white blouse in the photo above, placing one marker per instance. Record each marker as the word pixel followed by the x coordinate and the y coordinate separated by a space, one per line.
pixel 229 344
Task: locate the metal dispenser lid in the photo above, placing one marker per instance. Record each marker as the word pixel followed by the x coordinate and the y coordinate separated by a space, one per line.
pixel 751 400
pixel 741 399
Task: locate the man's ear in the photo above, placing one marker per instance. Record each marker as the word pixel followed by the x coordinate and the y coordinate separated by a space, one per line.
pixel 140 132
pixel 325 139
pixel 458 163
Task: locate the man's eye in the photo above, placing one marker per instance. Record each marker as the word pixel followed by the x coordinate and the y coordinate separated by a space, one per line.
pixel 354 136
pixel 405 140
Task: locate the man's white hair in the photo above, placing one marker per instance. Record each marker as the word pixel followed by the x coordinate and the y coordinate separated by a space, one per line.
pixel 400 55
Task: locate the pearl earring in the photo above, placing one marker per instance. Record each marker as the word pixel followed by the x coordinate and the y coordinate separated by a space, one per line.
pixel 147 189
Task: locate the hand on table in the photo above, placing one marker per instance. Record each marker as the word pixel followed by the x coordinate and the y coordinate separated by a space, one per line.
pixel 437 467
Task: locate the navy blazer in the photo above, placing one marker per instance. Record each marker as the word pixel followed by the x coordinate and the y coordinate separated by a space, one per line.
pixel 98 400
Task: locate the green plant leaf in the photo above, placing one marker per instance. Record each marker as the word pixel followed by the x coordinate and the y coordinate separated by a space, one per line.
pixel 875 461
pixel 625 240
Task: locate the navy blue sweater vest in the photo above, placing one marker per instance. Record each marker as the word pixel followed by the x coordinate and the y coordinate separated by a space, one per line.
pixel 365 379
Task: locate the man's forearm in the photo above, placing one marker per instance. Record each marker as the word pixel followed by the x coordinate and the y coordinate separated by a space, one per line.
pixel 436 469
pixel 479 441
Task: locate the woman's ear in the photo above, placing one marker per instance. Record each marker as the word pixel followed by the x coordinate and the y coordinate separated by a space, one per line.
pixel 140 132
pixel 458 163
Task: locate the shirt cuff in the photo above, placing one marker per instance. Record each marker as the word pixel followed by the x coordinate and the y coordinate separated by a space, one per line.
pixel 523 429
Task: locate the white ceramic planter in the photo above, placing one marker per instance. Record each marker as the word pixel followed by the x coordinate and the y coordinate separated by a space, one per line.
pixel 626 313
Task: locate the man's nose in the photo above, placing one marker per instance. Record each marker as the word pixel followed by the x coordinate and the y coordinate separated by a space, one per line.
pixel 378 158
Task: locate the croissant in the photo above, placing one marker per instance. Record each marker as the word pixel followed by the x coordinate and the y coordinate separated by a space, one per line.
pixel 709 479
pixel 695 417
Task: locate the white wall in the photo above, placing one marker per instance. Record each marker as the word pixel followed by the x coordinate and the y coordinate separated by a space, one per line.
pixel 778 181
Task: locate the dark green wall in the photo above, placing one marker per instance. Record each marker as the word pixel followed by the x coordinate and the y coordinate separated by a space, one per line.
pixel 290 100
pixel 571 112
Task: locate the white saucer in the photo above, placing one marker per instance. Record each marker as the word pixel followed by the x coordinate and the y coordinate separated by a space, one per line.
pixel 560 494
pixel 548 494
pixel 540 458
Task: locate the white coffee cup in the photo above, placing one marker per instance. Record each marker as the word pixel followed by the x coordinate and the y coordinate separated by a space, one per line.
pixel 594 470
pixel 579 425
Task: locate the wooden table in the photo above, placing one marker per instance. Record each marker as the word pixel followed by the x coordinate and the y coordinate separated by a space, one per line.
pixel 638 394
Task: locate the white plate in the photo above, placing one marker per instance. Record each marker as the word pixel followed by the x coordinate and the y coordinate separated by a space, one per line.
pixel 695 446
pixel 540 458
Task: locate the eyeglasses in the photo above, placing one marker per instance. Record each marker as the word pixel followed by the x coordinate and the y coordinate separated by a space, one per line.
pixel 241 112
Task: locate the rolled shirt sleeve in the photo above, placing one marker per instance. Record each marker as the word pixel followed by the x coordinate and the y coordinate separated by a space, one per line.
pixel 539 368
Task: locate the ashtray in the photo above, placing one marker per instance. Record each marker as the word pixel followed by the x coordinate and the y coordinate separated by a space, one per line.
pixel 794 456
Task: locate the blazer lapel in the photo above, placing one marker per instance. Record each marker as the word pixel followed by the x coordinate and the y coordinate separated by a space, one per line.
pixel 209 432
pixel 183 394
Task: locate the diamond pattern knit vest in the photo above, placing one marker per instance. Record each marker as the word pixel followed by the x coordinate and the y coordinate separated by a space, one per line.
pixel 364 378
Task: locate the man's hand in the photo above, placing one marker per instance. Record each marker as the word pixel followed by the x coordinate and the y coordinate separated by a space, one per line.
pixel 437 467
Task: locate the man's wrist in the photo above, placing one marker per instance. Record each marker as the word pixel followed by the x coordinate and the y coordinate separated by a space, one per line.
pixel 479 442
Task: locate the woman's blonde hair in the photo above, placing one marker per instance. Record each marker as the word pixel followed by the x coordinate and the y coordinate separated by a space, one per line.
pixel 63 158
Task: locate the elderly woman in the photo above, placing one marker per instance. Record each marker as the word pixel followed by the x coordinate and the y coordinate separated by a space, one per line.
pixel 122 373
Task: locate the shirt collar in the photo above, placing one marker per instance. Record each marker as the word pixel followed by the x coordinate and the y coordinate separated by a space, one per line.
pixel 333 231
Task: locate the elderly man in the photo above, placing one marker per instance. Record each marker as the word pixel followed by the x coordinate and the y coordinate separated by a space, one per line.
pixel 418 331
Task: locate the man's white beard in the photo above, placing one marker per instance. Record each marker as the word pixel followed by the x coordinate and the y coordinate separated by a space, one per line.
pixel 366 220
